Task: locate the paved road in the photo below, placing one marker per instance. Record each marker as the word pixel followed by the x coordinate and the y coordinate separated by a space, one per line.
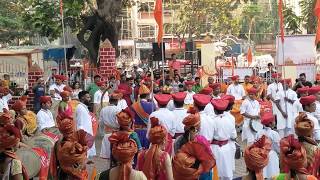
pixel 103 164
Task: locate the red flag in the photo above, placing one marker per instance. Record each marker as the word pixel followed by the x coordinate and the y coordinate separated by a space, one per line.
pixel 61 7
pixel 281 20
pixel 317 13
pixel 159 19
pixel 249 56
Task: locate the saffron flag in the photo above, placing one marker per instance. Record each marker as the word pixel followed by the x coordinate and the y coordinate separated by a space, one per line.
pixel 281 20
pixel 317 13
pixel 249 56
pixel 61 7
pixel 159 19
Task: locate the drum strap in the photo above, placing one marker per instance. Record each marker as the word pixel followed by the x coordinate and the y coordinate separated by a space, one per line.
pixel 137 107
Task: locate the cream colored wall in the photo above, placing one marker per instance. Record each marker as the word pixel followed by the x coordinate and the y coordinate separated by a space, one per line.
pixel 208 54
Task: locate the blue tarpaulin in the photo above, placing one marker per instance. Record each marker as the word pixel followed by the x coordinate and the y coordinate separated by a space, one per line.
pixel 56 54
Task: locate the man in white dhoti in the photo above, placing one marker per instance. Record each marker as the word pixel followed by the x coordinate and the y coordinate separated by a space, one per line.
pixel 109 119
pixel 224 135
pixel 83 118
pixel 285 127
pixel 250 109
pixel 97 97
pixel 272 169
pixel 188 101
pixel 235 89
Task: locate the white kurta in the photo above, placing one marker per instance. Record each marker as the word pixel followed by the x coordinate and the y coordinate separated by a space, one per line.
pixel 189 98
pixel 272 169
pixel 59 88
pixel 275 90
pixel 166 118
pixel 297 107
pixel 236 90
pixel 109 118
pixel 224 129
pixel 206 126
pixel 251 107
pixel 317 112
pixel 3 104
pixel 171 105
pixel 180 114
pixel 45 119
pixel 97 97
pixel 290 94
pixel 83 120
pixel 209 109
pixel 122 104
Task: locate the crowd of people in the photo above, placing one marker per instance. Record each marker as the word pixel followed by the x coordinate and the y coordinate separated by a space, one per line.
pixel 163 127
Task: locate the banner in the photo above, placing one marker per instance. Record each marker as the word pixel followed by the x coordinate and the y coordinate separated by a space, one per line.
pixel 296 50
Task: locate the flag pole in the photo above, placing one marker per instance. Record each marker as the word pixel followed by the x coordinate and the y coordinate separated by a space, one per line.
pixel 64 38
pixel 162 44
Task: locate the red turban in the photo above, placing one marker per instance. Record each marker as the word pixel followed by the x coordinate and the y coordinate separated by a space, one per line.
pixel 68 88
pixel 233 78
pixel 307 100
pixel 45 99
pixel 201 99
pixel 276 75
pixel 252 91
pixel 2 90
pixel 230 98
pixel 215 86
pixel 303 90
pixel 9 137
pixel 256 156
pixel 267 118
pixel 100 83
pixel 189 83
pixel 206 91
pixel 123 150
pixel 179 96
pixel 61 77
pixel 220 104
pixel 116 96
pixel 18 105
pixel 163 99
pixel 313 90
pixel 293 154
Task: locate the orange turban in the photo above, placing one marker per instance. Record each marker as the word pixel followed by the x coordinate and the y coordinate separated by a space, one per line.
pixel 5 117
pixel 125 117
pixel 144 90
pixel 189 154
pixel 123 150
pixel 293 154
pixel 18 105
pixel 303 126
pixel 256 156
pixel 72 158
pixel 157 135
pixel 65 94
pixel 68 88
pixel 66 126
pixel 9 137
pixel 192 120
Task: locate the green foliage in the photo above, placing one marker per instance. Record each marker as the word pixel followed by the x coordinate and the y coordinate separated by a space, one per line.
pixel 292 21
pixel 309 20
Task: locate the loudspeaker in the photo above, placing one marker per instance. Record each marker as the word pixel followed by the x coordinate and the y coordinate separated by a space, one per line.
pixel 190 47
pixel 156 49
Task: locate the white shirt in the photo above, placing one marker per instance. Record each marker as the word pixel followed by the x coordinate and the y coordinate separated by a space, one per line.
pixel 3 104
pixel 290 94
pixel 59 88
pixel 251 107
pixel 209 109
pixel 272 135
pixel 206 126
pixel 236 90
pixel 297 107
pixel 171 105
pixel 122 104
pixel 83 120
pixel 224 127
pixel 189 98
pixel 317 112
pixel 97 97
pixel 108 116
pixel 180 114
pixel 45 119
pixel 166 118
pixel 275 90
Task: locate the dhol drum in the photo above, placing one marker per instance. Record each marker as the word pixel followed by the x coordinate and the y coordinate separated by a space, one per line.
pixel 236 112
pixel 42 141
pixel 31 161
pixel 255 126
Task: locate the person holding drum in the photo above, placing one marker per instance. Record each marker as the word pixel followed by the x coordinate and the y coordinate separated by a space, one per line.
pixel 272 169
pixel 250 109
pixel 44 116
pixel 224 135
pixel 10 165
